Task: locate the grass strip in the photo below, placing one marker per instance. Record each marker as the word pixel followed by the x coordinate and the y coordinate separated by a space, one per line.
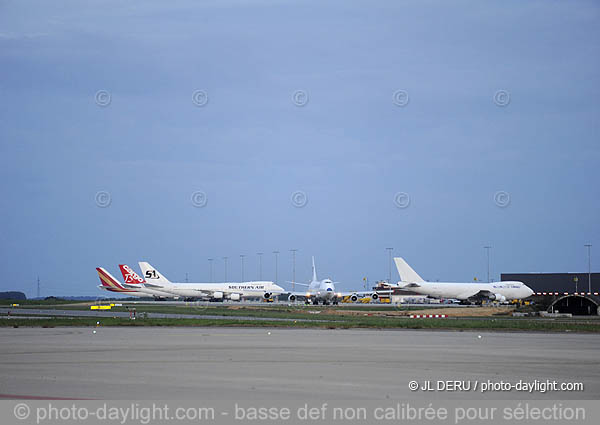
pixel 345 323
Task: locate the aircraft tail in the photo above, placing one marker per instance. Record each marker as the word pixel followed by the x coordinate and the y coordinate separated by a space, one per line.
pixel 314 270
pixel 151 274
pixel 109 282
pixel 407 274
pixel 130 276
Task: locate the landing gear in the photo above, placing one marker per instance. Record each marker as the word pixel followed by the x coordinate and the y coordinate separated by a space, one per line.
pixel 325 302
pixel 335 302
pixel 315 301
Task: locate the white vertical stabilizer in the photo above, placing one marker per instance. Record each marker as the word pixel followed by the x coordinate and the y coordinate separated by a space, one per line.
pixel 151 274
pixel 407 274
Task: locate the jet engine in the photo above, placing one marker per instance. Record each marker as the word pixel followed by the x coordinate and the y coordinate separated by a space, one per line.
pixel 292 297
pixel 217 295
pixel 235 297
pixel 375 296
pixel 353 298
pixel 499 298
pixel 267 295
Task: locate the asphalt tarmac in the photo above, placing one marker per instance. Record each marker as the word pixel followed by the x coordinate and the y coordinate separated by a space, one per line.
pixel 288 364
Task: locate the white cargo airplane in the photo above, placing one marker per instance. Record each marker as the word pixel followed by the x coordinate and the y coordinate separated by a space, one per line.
pixel 214 291
pixel 109 283
pixel 324 291
pixel 496 291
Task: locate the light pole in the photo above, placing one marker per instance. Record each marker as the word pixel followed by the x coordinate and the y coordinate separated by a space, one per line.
pixel 589 247
pixel 276 265
pixel 225 258
pixel 487 248
pixel 260 254
pixel 293 269
pixel 210 260
pixel 242 258
pixel 390 255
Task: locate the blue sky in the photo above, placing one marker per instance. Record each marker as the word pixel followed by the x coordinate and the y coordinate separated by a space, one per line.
pixel 350 149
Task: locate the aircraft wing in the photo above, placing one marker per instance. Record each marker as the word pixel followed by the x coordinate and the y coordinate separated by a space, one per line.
pixel 151 285
pixel 297 283
pixel 166 289
pixel 408 285
pixel 483 294
pixel 202 293
pixel 363 293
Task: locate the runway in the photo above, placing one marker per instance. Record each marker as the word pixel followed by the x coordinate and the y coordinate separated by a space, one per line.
pixel 286 364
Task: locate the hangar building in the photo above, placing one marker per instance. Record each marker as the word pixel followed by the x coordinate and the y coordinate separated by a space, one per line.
pixel 563 292
pixel 556 282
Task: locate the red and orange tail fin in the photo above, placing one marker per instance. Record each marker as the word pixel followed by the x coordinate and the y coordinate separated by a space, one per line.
pixel 130 276
pixel 109 282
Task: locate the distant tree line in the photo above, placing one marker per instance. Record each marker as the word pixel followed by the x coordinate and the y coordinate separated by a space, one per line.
pixel 12 295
